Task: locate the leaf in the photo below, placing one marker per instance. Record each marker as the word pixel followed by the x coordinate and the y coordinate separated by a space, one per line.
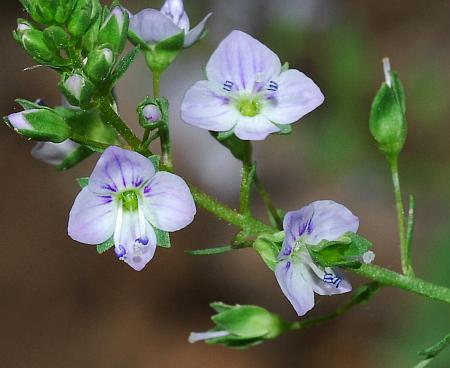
pixel 162 238
pixel 210 251
pixel 102 248
pixel 124 64
pixel 344 252
pixel 83 182
pixel 431 352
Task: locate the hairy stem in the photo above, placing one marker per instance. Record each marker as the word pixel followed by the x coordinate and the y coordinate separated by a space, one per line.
pixel 405 282
pixel 246 181
pixel 404 251
pixel 245 222
pixel 115 121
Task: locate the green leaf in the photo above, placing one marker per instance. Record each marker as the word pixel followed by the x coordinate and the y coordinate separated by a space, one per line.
pixel 162 238
pixel 365 292
pixel 344 252
pixel 124 64
pixel 431 352
pixel 102 248
pixel 210 251
pixel 83 182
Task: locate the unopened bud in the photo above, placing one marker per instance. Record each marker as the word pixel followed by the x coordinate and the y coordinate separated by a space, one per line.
pixel 99 64
pixel 114 29
pixel 77 89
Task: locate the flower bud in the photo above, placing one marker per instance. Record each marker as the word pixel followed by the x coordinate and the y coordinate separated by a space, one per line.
pixel 387 115
pixel 114 29
pixel 33 41
pixel 39 124
pixel 84 16
pixel 99 64
pixel 56 38
pixel 64 155
pixel 153 111
pixel 77 89
pixel 49 11
pixel 241 326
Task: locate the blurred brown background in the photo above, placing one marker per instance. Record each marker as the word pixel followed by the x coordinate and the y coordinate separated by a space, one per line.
pixel 64 306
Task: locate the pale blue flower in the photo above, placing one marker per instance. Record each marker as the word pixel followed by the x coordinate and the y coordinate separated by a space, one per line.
pixel 298 276
pixel 126 200
pixel 248 91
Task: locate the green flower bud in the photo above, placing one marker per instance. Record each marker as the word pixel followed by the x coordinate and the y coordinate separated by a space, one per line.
pixel 114 29
pixel 387 116
pixel 241 326
pixel 49 11
pixel 33 41
pixel 41 124
pixel 77 89
pixel 56 38
pixel 99 64
pixel 84 16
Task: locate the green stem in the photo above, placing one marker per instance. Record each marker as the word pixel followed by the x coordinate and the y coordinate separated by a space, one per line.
pixel 404 253
pixel 246 181
pixel 410 228
pixel 115 121
pixel 245 222
pixel 405 282
pixel 268 203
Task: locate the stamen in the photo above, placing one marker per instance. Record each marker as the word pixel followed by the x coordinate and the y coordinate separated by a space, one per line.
pixel 228 85
pixel 121 252
pixel 118 227
pixel 273 86
pixel 330 278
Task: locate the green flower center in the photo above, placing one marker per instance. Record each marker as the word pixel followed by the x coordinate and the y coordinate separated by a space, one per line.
pixel 249 106
pixel 129 200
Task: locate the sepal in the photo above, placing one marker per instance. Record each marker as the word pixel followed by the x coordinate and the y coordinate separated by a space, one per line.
pixel 99 64
pixel 77 89
pixel 114 29
pixel 268 247
pixel 160 56
pixel 85 15
pixel 153 112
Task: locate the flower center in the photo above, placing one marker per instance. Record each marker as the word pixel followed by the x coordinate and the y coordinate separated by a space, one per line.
pixel 129 200
pixel 249 106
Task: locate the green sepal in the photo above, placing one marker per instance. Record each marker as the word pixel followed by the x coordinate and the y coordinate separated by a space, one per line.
pixel 28 105
pixel 90 38
pixel 162 104
pixel 238 148
pixel 74 158
pixel 285 129
pixel 49 11
pixel 83 182
pixel 137 41
pixel 162 238
pixel 387 117
pixel 268 247
pixel 99 65
pixel 220 307
pixel 89 124
pixel 124 64
pixel 155 160
pixel 346 252
pixel 82 98
pixel 272 219
pixel 84 16
pixel 285 67
pixel 434 350
pixel 161 55
pixel 114 30
pixel 105 246
pixel 56 37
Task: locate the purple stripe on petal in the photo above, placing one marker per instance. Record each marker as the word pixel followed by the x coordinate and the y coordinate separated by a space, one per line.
pixel 116 158
pixel 147 189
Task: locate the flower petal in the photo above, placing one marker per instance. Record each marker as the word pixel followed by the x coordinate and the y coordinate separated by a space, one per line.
pixel 294 286
pixel 92 218
pixel 168 203
pixel 206 107
pixel 296 96
pixel 53 153
pixel 119 169
pixel 152 26
pixel 330 220
pixel 327 282
pixel 138 240
pixel 295 224
pixel 254 128
pixel 243 61
pixel 195 33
